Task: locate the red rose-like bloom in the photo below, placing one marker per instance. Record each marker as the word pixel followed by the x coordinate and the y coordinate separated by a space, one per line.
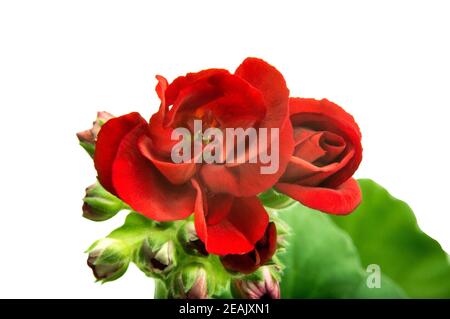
pixel 133 157
pixel 327 152
pixel 263 252
pixel 255 96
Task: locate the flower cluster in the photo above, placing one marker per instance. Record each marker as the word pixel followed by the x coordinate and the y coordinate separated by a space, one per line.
pixel 317 145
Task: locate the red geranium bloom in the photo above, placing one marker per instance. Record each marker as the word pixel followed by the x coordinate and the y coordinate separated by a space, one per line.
pixel 327 152
pixel 133 157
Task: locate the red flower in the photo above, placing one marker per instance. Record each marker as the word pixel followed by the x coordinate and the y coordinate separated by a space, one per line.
pixel 255 96
pixel 264 250
pixel 327 152
pixel 133 157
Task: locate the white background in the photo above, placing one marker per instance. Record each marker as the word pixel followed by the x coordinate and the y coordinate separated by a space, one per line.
pixel 386 62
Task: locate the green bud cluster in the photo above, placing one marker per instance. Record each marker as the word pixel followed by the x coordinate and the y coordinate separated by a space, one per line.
pixel 173 255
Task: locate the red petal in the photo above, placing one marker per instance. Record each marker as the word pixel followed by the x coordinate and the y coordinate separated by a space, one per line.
pixel 144 188
pixel 339 201
pixel 160 89
pixel 181 82
pixel 272 85
pixel 246 263
pixel 240 104
pixel 238 230
pixel 263 252
pixel 304 173
pixel 186 93
pixel 161 136
pixel 323 115
pixel 267 245
pixel 175 173
pixel 108 141
pixel 246 179
pixel 218 208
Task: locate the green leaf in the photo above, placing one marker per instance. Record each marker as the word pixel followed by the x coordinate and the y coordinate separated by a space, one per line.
pixel 322 262
pixel 386 233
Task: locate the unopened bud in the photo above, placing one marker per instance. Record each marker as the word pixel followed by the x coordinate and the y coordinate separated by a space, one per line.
pixel 108 259
pixel 264 250
pixel 99 204
pixel 190 242
pixel 154 260
pixel 88 137
pixel 190 283
pixel 264 286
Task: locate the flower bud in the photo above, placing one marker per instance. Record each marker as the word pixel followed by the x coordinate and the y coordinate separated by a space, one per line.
pixel 190 283
pixel 99 204
pixel 264 286
pixel 187 236
pixel 108 259
pixel 154 260
pixel 264 250
pixel 88 137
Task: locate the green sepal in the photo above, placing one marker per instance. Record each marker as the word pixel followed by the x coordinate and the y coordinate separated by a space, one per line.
pixel 182 282
pixel 161 291
pixel 89 148
pixel 275 200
